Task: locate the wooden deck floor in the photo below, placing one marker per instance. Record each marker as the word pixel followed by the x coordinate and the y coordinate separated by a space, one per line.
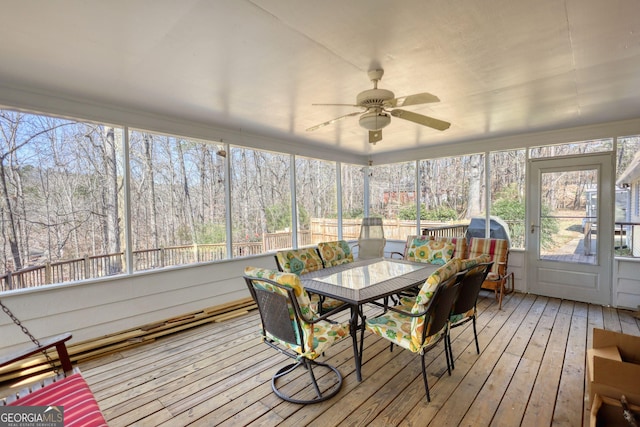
pixel 530 372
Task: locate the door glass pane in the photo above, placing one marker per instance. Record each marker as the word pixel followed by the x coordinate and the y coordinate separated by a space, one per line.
pixel 569 216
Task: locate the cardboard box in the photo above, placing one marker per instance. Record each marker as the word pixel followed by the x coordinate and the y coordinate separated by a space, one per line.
pixel 608 412
pixel 613 373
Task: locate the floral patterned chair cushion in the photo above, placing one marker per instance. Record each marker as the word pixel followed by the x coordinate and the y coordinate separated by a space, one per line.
pixel 317 336
pixel 299 261
pixel 432 252
pixel 404 330
pixel 335 253
pixel 460 243
pixel 412 244
pixel 302 261
pixel 468 263
pixel 463 264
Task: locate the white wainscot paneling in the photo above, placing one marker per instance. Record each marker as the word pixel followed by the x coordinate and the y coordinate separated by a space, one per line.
pixel 626 283
pixel 97 308
pixel 516 264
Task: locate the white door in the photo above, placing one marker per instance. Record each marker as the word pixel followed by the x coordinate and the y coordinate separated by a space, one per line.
pixel 570 227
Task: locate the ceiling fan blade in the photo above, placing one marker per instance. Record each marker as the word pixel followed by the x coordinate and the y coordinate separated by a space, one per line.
pixel 415 99
pixel 375 136
pixel 420 119
pixel 337 119
pixel 339 105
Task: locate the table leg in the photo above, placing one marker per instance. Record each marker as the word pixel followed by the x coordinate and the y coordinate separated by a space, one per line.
pixel 353 323
pixel 357 324
pixel 362 328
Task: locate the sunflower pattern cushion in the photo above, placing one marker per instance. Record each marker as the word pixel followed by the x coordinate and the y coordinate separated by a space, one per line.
pixel 335 253
pixel 466 264
pixel 404 330
pixel 302 261
pixel 460 243
pixel 433 252
pixel 299 261
pixel 318 336
pixel 413 243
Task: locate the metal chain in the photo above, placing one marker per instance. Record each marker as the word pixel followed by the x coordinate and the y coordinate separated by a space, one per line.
pixel 29 334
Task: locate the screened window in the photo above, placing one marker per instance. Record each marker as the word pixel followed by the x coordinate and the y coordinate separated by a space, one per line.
pixel 452 192
pixel 316 198
pixel 177 201
pixel 508 192
pixel 352 178
pixel 260 201
pixel 60 209
pixel 392 190
pixel 566 149
pixel 627 207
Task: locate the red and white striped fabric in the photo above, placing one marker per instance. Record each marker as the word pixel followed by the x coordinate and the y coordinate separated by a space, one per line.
pixel 497 249
pixel 74 395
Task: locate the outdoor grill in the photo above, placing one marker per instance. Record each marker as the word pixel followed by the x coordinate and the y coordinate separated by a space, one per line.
pixel 498 229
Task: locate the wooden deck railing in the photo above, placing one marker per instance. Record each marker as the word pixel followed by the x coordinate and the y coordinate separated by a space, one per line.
pixel 95 266
pixel 446 230
pixel 90 267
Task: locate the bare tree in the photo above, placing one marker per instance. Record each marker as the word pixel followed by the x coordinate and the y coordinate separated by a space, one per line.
pixel 15 137
pixel 474 200
pixel 149 178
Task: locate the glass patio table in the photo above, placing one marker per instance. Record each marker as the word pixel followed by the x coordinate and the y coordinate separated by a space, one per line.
pixel 364 281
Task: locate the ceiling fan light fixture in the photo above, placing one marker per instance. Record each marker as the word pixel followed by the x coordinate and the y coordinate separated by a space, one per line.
pixel 375 120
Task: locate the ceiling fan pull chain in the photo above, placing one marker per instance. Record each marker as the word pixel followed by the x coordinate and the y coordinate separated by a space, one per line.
pixel 29 334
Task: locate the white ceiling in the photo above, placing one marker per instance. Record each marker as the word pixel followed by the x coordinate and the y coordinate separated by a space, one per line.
pixel 500 67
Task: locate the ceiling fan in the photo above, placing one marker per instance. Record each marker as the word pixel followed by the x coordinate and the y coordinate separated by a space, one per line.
pixel 378 105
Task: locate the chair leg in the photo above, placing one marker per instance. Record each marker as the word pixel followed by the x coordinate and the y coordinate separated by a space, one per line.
pixel 448 353
pixel 503 288
pixel 475 333
pixel 313 378
pixel 424 378
pixel 448 348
